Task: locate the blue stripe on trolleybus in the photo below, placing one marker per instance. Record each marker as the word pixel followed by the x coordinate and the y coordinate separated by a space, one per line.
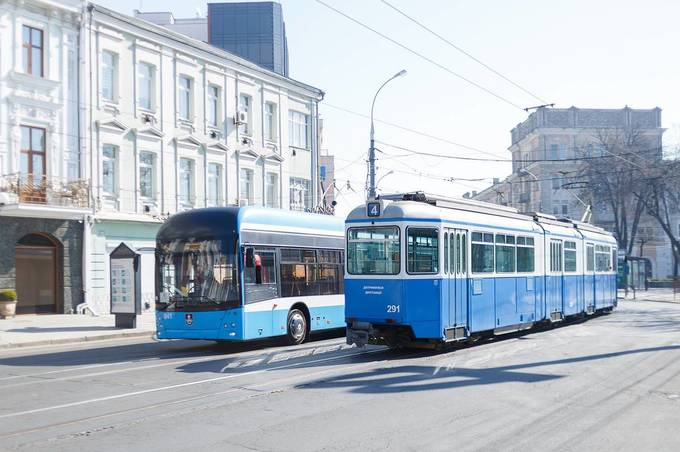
pixel 227 325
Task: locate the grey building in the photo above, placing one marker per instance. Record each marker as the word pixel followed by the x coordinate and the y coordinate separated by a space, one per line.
pixel 253 30
pixel 195 27
pixel 543 148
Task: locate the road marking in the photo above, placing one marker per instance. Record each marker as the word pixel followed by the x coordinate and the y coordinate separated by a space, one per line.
pixel 180 385
pixel 277 354
pixel 177 402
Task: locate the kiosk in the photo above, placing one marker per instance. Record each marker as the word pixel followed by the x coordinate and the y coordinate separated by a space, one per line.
pixel 125 286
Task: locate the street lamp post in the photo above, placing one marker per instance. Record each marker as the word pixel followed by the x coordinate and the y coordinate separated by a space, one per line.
pixel 526 172
pixel 371 150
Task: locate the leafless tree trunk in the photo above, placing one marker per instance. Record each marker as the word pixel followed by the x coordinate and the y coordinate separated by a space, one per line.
pixel 662 200
pixel 613 170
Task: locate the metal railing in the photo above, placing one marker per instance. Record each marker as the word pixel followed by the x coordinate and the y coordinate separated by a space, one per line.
pixel 39 189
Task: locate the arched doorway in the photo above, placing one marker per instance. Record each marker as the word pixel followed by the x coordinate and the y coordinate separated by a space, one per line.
pixel 36 274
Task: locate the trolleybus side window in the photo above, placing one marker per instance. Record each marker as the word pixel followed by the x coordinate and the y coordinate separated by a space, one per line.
pixel 525 254
pixel 423 250
pixel 373 250
pixel 482 252
pixel 590 257
pixel 569 256
pixel 298 273
pixel 505 253
pixel 331 272
pixel 259 275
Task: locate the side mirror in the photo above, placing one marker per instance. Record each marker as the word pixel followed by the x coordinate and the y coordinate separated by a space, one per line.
pixel 250 257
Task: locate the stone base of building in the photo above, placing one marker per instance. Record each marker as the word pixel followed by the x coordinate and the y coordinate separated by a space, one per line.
pixel 42 259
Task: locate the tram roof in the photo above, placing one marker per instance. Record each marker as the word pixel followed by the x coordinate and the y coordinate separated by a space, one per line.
pixel 418 205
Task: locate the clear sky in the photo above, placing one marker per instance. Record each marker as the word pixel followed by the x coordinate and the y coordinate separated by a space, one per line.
pixel 601 54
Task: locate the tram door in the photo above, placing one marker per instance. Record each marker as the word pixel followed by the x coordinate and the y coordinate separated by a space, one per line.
pixel 457 274
pixel 589 277
pixel 554 280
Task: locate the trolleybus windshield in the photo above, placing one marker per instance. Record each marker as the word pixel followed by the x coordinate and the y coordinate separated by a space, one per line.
pixel 373 250
pixel 199 274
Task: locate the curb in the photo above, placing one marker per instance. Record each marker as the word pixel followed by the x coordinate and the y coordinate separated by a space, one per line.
pixel 75 340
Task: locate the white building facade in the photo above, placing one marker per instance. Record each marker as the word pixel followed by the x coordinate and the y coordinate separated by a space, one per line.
pixel 165 123
pixel 44 195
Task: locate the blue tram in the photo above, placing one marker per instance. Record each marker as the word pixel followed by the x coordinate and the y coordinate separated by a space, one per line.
pixel 421 270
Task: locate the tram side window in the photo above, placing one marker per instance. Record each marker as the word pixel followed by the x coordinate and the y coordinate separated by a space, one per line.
pixel 525 254
pixel 555 256
pixel 260 276
pixel 423 250
pixel 482 252
pixel 590 257
pixel 569 256
pixel 505 253
pixel 602 258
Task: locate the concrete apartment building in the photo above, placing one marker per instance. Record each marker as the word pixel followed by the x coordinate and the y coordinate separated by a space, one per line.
pixel 166 123
pixel 559 134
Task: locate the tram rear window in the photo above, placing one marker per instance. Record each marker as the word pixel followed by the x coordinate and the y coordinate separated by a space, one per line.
pixel 373 250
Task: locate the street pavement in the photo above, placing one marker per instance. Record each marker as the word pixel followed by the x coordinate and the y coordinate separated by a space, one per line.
pixel 32 330
pixel 609 383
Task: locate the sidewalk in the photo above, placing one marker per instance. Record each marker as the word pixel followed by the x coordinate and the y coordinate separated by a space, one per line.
pixel 32 330
pixel 664 295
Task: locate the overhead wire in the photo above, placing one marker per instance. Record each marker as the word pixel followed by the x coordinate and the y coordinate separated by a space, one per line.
pixel 464 52
pixel 421 56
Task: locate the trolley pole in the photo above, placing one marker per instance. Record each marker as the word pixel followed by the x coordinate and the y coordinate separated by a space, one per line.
pixel 371 149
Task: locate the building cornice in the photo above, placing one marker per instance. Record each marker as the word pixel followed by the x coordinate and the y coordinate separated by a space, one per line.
pixel 180 41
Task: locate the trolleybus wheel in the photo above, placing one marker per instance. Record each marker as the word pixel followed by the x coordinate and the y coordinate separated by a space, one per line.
pixel 296 327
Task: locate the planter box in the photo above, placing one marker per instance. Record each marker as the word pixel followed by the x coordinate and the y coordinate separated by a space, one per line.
pixel 8 309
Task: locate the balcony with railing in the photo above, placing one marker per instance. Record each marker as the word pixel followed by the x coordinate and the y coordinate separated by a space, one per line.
pixel 38 191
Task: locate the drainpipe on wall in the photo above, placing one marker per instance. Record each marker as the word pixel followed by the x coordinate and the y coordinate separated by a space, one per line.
pixel 85 108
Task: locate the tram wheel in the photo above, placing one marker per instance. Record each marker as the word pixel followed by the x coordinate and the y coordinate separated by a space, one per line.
pixel 296 327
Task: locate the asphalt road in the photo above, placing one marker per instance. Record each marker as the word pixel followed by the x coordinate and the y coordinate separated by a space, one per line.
pixel 610 383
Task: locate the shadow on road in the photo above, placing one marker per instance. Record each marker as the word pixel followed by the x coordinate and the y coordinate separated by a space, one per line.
pixel 411 378
pixel 171 349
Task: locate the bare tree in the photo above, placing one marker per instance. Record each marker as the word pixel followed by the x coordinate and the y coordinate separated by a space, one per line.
pixel 661 198
pixel 613 167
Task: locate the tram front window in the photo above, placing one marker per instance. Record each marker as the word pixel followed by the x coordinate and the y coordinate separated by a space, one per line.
pixel 373 250
pixel 198 274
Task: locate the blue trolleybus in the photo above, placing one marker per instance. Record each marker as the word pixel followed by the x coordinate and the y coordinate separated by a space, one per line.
pixel 424 271
pixel 235 274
